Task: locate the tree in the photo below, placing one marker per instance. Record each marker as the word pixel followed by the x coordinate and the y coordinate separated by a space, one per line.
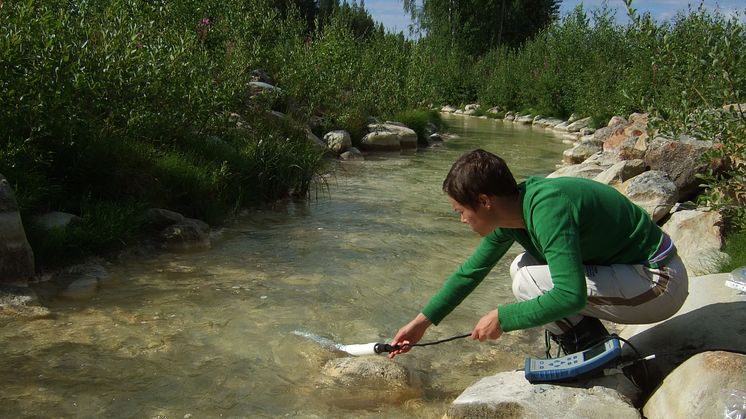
pixel 477 26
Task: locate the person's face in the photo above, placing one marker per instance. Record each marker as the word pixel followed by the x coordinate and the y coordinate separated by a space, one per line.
pixel 480 219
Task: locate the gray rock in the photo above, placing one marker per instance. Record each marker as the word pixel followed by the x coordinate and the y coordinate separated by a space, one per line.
pixel 616 120
pixel 352 154
pixel 435 138
pixel 77 282
pixel 57 220
pixel 264 86
pixel 680 159
pixel 621 172
pixel 562 126
pixel 448 109
pixel 338 141
pixel 381 141
pixel 389 137
pixel 525 119
pixel 712 317
pixel 159 218
pixel 375 380
pixel 509 395
pixel 471 107
pixel 16 256
pixel 653 191
pixel 604 159
pixel 260 75
pixel 510 117
pixel 698 239
pixel 702 387
pixel 603 134
pixel 578 125
pixel 583 170
pixel 320 145
pixel 582 151
pixel 188 234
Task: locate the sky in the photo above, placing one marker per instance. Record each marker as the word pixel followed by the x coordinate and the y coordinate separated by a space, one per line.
pixel 395 19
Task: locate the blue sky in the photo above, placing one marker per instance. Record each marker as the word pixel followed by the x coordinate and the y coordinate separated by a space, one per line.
pixel 391 13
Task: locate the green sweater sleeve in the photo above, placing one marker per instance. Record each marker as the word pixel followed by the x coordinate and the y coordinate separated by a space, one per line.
pixel 554 229
pixel 463 281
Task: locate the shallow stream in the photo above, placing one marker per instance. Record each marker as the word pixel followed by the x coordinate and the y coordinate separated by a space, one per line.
pixel 210 334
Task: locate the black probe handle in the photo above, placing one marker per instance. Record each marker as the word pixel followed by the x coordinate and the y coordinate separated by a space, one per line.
pixel 385 347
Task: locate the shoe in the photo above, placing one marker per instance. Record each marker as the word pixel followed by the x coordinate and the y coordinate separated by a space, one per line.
pixel 582 336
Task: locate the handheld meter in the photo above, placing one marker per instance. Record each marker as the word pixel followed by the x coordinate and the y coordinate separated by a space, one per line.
pixel 571 366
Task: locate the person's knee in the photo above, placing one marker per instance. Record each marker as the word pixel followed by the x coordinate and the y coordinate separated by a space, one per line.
pixel 522 285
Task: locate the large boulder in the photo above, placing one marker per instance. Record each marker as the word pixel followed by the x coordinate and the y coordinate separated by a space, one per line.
pixel 621 172
pixel 338 141
pixel 524 119
pixel 680 159
pixel 584 170
pixel 57 220
pixel 389 137
pixel 653 191
pixel 707 385
pixel 582 151
pixel 160 218
pixel 509 395
pixel 629 141
pixel 187 234
pixel 698 239
pixel 352 154
pixel 316 141
pixel 16 257
pixel 712 317
pixel 578 125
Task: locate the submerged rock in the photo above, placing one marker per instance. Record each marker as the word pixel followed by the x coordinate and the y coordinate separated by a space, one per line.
pixel 367 381
pixel 188 234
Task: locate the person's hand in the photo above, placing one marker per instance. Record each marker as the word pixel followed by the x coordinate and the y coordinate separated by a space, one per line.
pixel 488 327
pixel 410 334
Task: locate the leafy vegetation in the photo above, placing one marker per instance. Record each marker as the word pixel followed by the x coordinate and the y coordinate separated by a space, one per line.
pixel 114 106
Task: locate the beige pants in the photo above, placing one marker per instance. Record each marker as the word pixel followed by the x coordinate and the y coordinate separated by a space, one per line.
pixel 627 294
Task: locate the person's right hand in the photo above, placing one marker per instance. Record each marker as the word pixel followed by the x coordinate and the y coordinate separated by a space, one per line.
pixel 410 334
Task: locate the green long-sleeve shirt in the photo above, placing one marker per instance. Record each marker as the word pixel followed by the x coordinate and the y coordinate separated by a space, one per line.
pixel 570 222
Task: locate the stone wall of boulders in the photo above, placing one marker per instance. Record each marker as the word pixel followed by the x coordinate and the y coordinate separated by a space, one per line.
pixel 658 174
pixel 700 366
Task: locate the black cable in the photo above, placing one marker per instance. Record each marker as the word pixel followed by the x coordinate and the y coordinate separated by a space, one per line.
pixel 439 341
pixel 385 347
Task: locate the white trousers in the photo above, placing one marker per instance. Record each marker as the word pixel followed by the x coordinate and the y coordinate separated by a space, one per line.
pixel 627 294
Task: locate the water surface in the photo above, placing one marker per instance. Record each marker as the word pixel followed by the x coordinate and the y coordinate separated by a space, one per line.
pixel 210 334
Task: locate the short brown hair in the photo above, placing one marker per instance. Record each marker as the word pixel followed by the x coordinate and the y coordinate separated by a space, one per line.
pixel 479 172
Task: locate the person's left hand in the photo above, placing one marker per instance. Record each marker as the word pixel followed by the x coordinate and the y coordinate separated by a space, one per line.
pixel 488 327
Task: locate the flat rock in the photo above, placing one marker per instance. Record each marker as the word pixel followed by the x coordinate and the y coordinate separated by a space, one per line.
pixel 712 317
pixel 509 395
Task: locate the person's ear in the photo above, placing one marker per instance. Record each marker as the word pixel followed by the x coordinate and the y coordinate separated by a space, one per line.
pixel 485 201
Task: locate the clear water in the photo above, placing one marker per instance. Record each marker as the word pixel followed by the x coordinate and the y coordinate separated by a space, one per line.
pixel 210 334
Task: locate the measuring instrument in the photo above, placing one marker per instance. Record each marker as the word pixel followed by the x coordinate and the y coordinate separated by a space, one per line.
pixel 571 366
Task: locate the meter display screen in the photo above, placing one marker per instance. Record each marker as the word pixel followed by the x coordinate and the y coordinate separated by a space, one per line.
pixel 594 352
